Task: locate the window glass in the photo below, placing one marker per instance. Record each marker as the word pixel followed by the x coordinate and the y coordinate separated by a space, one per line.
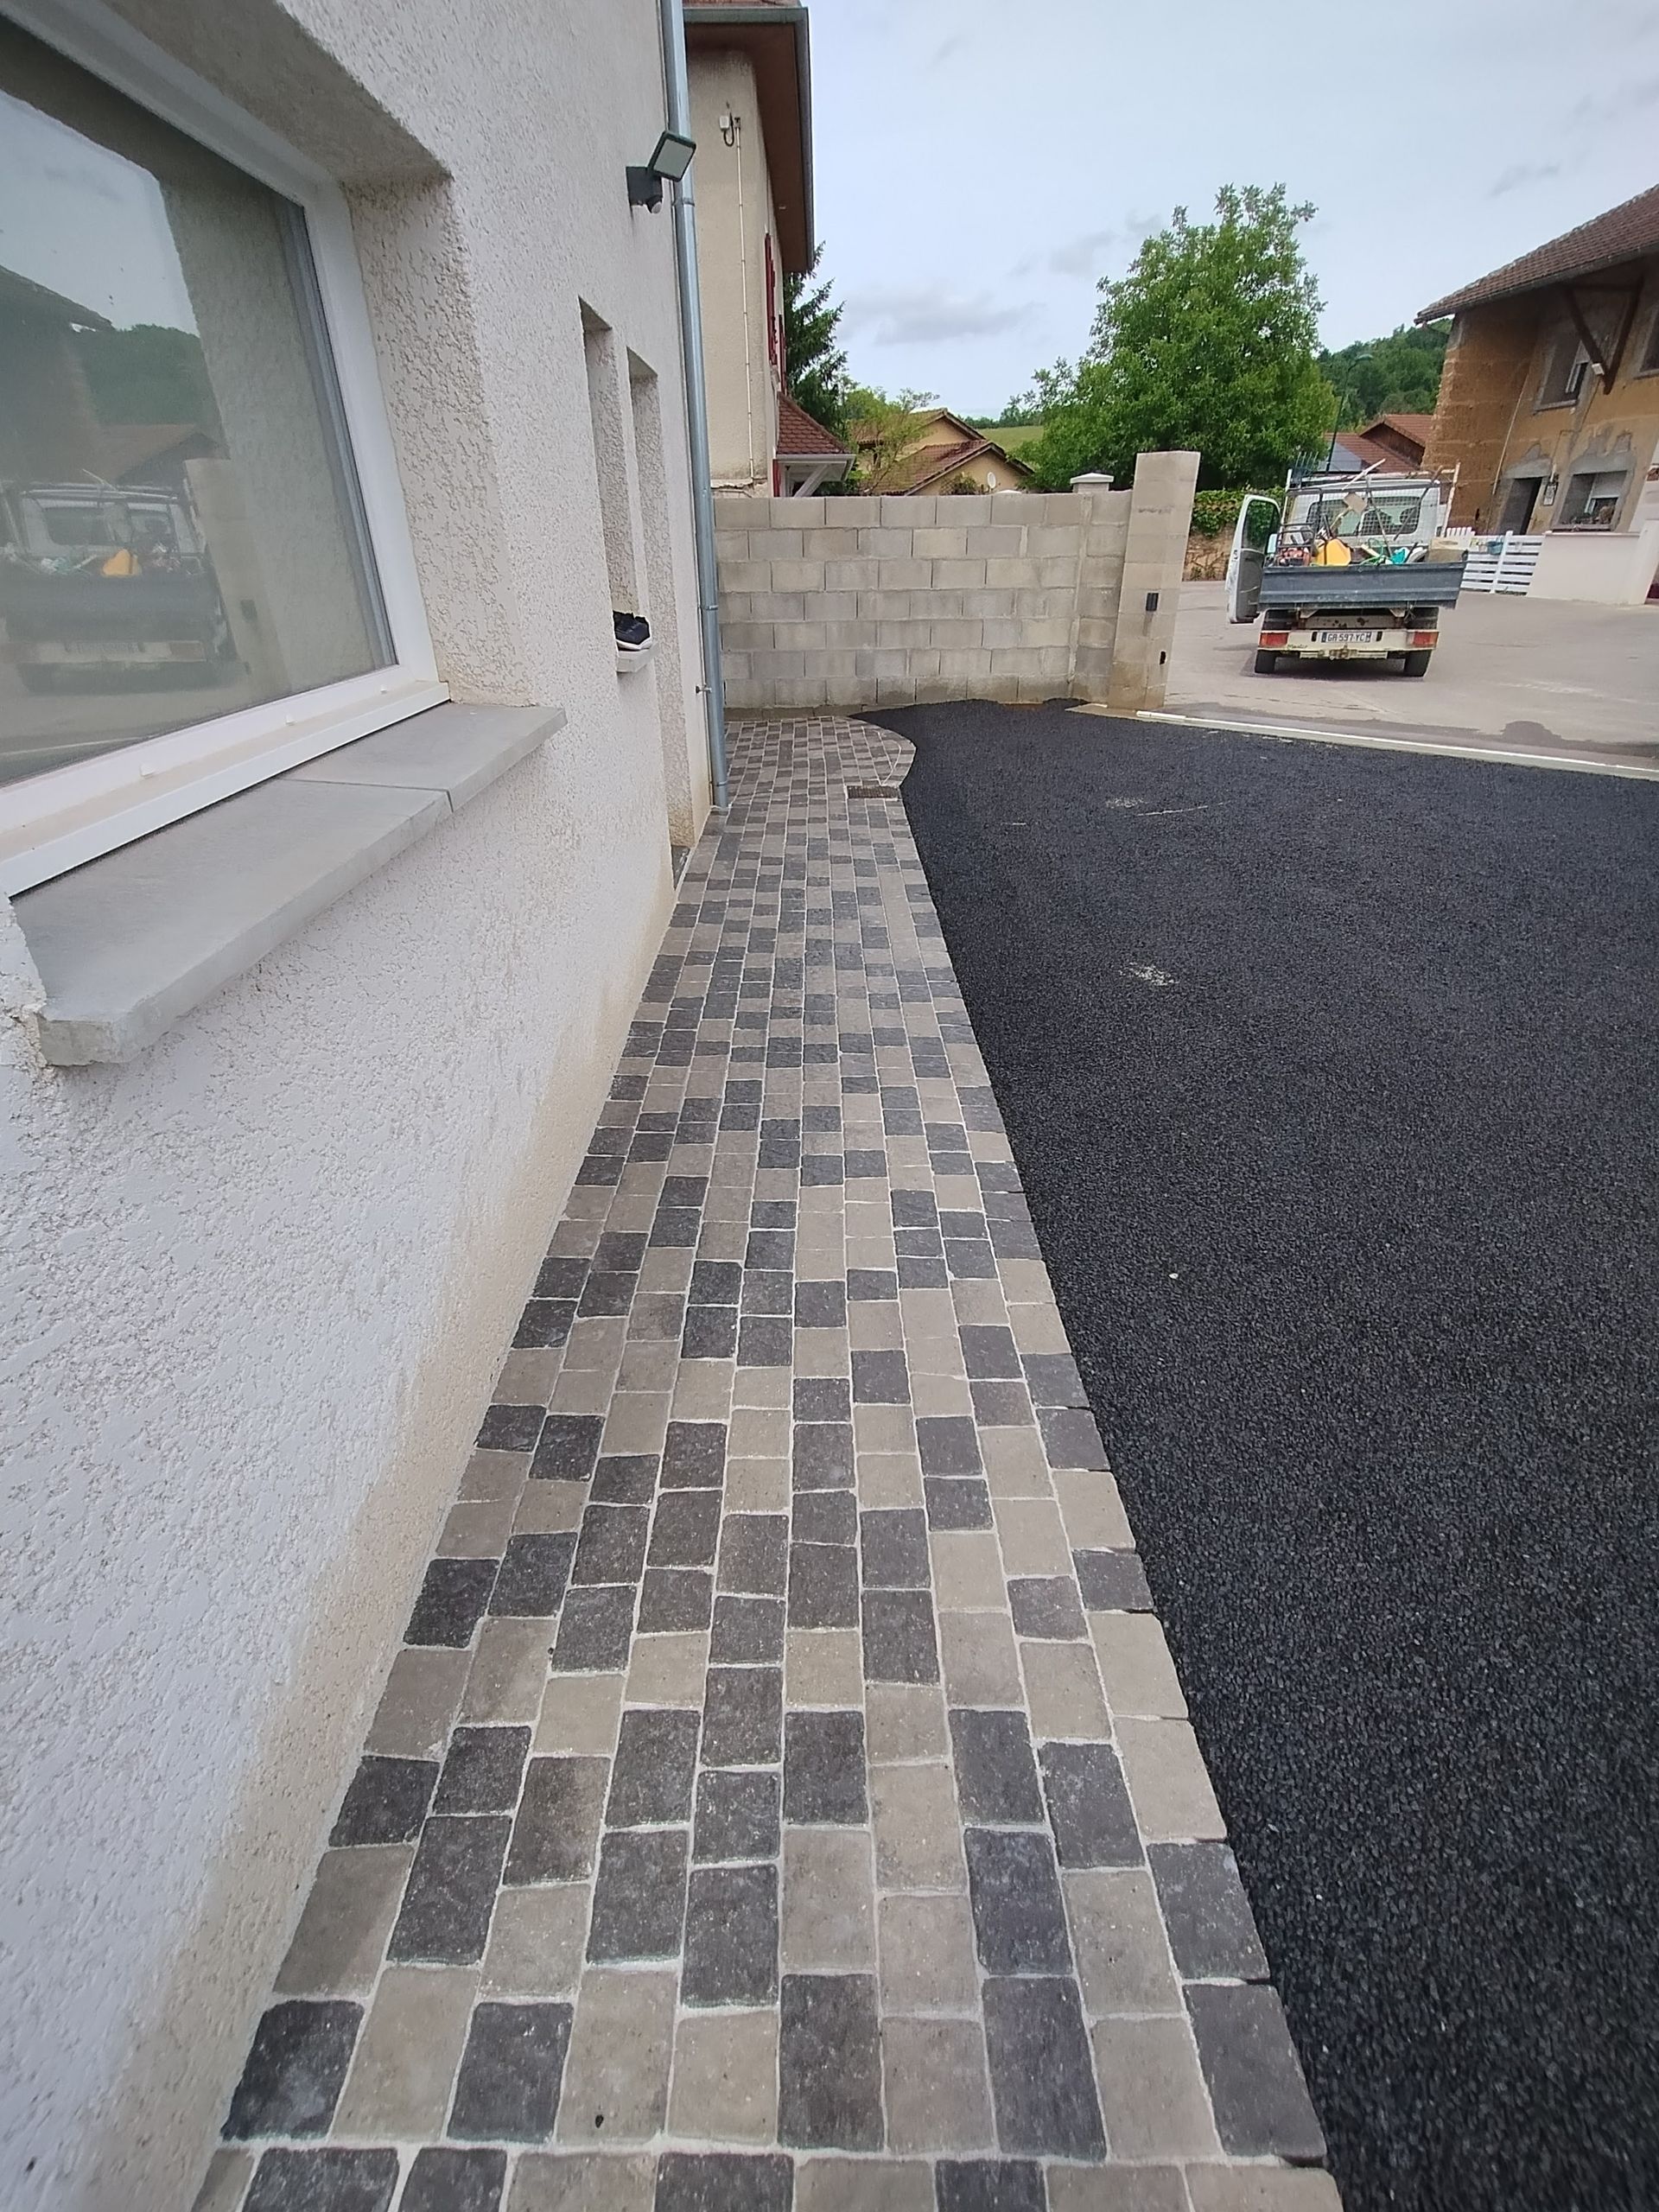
pixel 181 533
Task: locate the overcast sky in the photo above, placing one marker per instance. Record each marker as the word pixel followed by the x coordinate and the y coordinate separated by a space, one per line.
pixel 980 163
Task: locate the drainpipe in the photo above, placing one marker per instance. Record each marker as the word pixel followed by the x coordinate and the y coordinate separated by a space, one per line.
pixel 696 400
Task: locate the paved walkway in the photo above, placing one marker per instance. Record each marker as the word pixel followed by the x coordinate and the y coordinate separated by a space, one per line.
pixel 851 1849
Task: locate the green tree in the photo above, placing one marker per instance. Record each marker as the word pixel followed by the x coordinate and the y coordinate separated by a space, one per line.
pixel 817 364
pixel 1208 343
pixel 1397 375
pixel 883 428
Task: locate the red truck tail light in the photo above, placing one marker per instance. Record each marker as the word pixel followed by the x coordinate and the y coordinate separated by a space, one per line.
pixel 1274 638
pixel 1425 637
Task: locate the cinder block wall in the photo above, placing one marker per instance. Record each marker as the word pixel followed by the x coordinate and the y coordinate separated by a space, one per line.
pixel 890 600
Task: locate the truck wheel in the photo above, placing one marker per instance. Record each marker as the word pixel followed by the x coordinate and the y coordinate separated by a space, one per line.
pixel 1416 663
pixel 1266 663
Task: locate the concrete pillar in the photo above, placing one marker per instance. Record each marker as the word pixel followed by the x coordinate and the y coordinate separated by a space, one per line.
pixel 1160 517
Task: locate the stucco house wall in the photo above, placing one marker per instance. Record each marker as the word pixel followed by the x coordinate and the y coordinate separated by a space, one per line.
pixel 736 217
pixel 256 1280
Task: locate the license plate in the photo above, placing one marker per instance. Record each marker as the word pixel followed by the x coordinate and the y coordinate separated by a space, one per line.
pixel 1347 636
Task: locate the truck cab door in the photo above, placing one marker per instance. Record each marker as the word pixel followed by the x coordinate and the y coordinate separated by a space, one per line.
pixel 1245 563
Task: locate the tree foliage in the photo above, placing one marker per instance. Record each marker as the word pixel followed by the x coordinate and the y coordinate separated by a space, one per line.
pixel 1209 343
pixel 1398 374
pixel 885 429
pixel 149 373
pixel 816 362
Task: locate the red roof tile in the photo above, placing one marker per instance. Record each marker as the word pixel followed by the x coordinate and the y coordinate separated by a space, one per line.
pixel 1623 233
pixel 800 438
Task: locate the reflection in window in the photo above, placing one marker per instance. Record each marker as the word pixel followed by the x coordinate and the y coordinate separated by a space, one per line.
pixel 181 534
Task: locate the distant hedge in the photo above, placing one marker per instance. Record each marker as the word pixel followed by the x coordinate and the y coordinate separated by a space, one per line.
pixel 1214 513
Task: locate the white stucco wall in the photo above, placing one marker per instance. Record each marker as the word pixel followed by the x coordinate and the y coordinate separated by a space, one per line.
pixel 734 217
pixel 255 1284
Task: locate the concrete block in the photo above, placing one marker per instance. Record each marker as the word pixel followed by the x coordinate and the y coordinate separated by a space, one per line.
pixel 746 636
pixel 775 545
pixel 940 544
pixel 957 576
pixel 962 636
pixel 1055 572
pixel 1010 631
pixel 895 691
pixel 731 545
pixel 831 544
pixel 846 637
pixel 996 541
pixel 733 512
pixel 778 606
pixel 1012 574
pixel 1016 660
pixel 886 542
pixel 904 637
pixel 798 575
pixel 988 604
pixel 858 511
pixel 860 575
pixel 909 511
pixel 1012 507
pixel 923 665
pixel 906 575
pixel 837 673
pixel 962 670
pixel 744 575
pixel 805 513
pixel 1050 544
pixel 799 637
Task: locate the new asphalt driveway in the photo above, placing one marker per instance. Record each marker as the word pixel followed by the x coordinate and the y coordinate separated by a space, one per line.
pixel 1330 1074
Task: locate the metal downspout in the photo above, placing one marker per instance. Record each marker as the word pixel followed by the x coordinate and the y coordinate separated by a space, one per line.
pixel 696 400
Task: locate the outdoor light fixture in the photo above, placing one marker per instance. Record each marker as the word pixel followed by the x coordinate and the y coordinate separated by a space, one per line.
pixel 669 163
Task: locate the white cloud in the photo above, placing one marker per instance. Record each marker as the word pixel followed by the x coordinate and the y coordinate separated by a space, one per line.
pixel 930 315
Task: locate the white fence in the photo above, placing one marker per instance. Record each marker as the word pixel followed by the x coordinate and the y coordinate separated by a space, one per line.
pixel 1501 563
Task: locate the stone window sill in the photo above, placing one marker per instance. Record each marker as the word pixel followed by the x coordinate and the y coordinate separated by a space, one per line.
pixel 127 944
pixel 626 662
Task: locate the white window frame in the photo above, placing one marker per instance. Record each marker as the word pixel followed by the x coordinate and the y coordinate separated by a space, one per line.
pixel 64 816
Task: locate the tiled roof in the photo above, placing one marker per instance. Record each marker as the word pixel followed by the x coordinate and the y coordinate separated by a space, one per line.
pixel 800 437
pixel 1622 234
pixel 1410 426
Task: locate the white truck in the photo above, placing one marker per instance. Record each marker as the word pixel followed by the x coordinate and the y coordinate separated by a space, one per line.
pixel 1354 567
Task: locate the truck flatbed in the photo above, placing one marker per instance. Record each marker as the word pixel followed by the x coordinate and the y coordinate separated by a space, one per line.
pixel 1409 583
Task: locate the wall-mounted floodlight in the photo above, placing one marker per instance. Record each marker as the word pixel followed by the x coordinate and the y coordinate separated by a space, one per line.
pixel 668 164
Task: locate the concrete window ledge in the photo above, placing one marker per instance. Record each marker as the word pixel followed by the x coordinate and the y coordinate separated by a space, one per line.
pixel 626 662
pixel 129 942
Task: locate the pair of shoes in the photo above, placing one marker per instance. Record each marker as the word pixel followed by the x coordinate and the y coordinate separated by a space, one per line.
pixel 632 631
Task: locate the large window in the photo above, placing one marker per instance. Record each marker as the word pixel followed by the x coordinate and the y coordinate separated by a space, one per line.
pixel 184 536
pixel 1592 499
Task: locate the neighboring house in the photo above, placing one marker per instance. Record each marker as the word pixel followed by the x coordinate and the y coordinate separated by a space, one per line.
pixel 316 958
pixel 750 115
pixel 809 456
pixel 943 454
pixel 1390 443
pixel 1549 397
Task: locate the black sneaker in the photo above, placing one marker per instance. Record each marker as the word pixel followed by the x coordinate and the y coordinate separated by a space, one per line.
pixel 632 631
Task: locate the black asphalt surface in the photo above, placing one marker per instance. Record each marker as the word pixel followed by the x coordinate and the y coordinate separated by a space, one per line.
pixel 1330 1075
